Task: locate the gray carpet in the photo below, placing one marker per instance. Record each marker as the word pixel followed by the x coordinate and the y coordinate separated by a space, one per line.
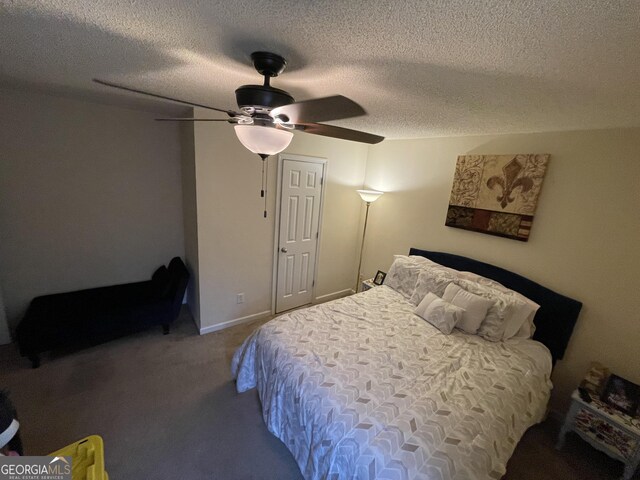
pixel 166 408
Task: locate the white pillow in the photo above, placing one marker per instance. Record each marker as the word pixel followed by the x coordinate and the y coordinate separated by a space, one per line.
pixel 521 319
pixel 493 326
pixel 520 322
pixel 403 275
pixel 426 261
pixel 442 315
pixel 475 307
pixel 432 278
pixel 489 282
pixel 527 329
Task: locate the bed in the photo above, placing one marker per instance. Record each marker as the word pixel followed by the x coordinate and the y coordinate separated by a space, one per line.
pixel 362 388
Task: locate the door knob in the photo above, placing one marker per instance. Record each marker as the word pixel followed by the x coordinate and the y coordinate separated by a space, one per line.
pixel 284 250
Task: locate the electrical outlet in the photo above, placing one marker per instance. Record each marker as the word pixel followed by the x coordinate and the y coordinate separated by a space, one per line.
pixel 240 298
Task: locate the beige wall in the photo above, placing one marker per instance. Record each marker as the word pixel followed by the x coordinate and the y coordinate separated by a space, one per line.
pixel 190 217
pixel 235 242
pixel 5 336
pixel 90 195
pixel 584 240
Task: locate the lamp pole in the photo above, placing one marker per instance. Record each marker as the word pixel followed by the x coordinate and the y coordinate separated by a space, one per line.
pixel 368 196
pixel 364 232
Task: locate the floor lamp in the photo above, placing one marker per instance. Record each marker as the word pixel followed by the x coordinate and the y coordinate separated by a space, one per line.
pixel 369 196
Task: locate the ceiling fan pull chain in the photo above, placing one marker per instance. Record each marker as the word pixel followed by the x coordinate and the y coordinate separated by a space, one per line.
pixel 263 191
pixel 262 179
pixel 266 181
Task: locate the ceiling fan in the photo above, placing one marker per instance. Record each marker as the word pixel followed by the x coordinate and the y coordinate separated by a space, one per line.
pixel 267 116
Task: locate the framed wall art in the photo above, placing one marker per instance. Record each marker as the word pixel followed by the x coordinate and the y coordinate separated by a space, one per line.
pixel 496 194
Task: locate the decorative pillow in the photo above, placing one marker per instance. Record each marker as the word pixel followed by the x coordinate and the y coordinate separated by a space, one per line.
pixel 432 279
pixel 475 307
pixel 442 315
pixel 492 327
pixel 520 323
pixel 161 282
pixel 160 271
pixel 403 275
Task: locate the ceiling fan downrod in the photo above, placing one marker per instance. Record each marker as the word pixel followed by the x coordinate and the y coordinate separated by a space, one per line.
pixel 264 97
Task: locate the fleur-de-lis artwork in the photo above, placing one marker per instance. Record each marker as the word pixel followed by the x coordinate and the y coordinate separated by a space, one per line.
pixel 497 194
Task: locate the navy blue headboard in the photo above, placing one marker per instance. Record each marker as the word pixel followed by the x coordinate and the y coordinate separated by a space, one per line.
pixel 554 319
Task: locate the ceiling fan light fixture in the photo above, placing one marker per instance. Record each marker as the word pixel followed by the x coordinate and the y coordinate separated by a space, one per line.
pixel 263 140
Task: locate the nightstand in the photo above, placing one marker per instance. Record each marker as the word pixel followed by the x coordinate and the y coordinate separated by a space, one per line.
pixel 367 284
pixel 606 429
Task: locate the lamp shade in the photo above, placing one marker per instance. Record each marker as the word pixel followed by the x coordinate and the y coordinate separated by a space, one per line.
pixel 369 195
pixel 263 140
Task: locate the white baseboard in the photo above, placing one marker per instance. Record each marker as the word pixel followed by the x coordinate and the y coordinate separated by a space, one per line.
pixel 332 296
pixel 266 313
pixel 235 321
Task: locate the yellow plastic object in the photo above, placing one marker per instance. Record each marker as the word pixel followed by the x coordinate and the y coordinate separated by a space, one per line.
pixel 87 458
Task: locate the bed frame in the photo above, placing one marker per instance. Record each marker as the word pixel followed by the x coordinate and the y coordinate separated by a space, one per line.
pixel 554 319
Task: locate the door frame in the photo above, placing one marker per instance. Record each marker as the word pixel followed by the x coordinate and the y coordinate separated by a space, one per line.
pixel 276 235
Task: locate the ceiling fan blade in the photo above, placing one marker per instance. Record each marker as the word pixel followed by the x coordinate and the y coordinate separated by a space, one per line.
pixel 231 113
pixel 323 109
pixel 339 132
pixel 179 119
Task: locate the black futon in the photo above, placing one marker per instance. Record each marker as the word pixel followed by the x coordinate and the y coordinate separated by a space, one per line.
pixel 89 317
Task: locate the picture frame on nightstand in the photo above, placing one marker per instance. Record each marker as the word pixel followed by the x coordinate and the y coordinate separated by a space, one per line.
pixel 379 278
pixel 622 395
pixel 595 378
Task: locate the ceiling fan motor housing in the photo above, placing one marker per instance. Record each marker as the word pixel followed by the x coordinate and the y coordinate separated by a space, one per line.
pixel 262 97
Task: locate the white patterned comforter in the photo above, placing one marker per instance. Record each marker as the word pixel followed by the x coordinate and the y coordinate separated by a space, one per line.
pixel 361 388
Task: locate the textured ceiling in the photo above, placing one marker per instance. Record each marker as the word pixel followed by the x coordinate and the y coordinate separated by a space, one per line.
pixel 420 68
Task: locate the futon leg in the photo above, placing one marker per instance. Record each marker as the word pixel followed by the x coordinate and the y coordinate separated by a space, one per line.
pixel 35 360
pixel 165 329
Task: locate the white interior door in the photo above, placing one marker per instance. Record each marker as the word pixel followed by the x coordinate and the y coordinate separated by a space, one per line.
pixel 300 198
